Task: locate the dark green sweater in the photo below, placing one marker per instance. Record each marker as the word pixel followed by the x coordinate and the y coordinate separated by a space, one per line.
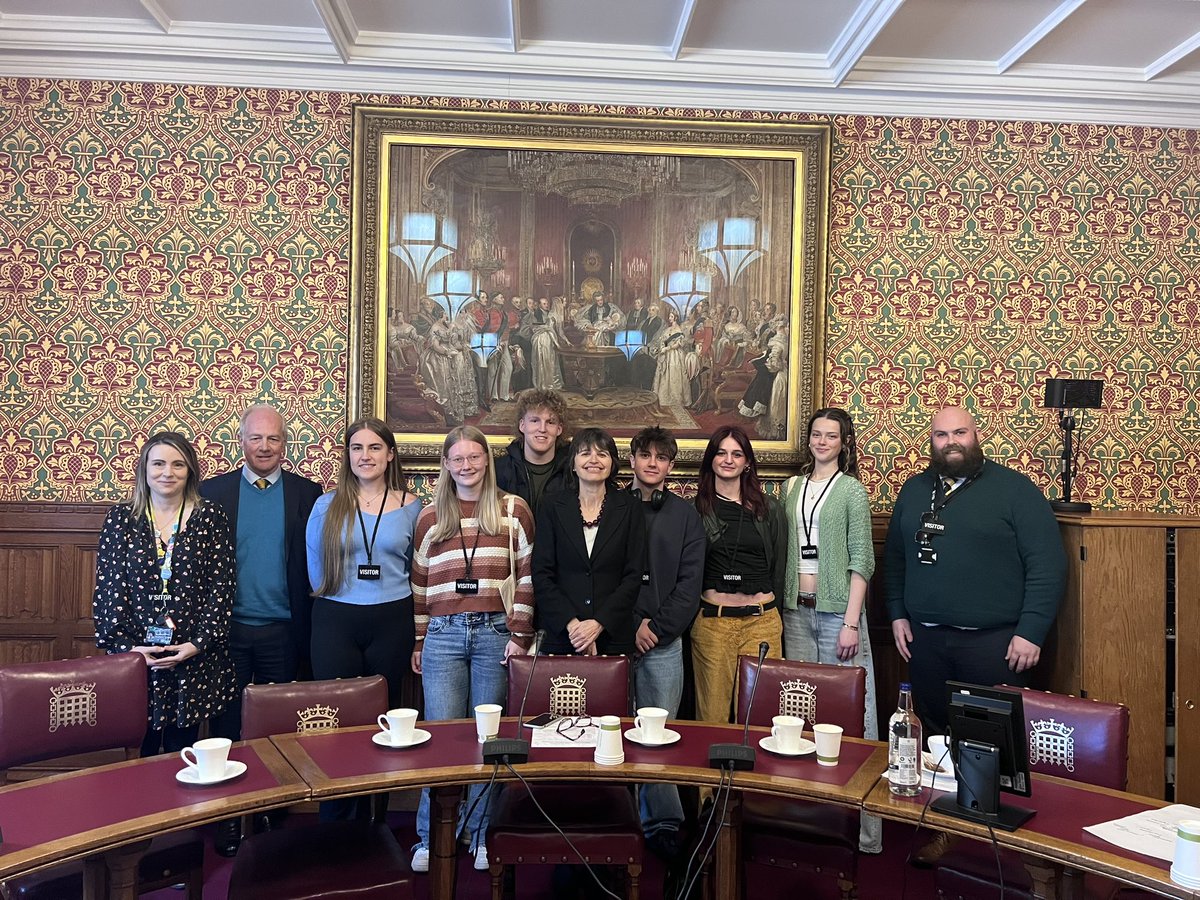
pixel 1000 561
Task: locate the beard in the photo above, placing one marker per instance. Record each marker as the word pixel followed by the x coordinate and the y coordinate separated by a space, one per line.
pixel 968 464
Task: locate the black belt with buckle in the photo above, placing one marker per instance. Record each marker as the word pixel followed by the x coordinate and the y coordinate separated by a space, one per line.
pixel 736 612
pixel 808 601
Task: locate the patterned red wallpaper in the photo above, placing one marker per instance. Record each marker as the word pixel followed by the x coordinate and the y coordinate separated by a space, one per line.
pixel 169 253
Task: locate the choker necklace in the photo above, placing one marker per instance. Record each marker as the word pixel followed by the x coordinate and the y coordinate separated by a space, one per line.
pixel 594 523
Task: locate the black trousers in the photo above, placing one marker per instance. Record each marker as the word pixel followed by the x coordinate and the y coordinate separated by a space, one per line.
pixel 262 654
pixel 350 640
pixel 942 654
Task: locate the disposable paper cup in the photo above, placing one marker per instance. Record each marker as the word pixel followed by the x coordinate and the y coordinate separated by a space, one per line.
pixel 207 758
pixel 787 733
pixel 651 721
pixel 828 739
pixel 487 721
pixel 399 723
pixel 1185 867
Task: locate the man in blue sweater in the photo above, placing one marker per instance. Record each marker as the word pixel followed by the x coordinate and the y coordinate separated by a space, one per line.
pixel 665 608
pixel 267 510
pixel 974 570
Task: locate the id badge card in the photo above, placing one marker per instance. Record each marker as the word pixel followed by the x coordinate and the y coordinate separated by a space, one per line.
pixel 645 578
pixel 368 572
pixel 808 551
pixel 162 632
pixel 732 578
pixel 931 524
pixel 466 585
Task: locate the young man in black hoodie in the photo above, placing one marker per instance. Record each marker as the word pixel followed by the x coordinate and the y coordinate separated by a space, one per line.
pixel 665 608
pixel 536 462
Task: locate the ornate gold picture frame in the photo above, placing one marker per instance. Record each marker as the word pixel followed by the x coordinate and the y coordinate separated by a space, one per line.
pixel 666 271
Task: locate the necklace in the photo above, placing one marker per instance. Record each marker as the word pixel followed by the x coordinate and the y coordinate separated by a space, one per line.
pixel 594 523
pixel 372 500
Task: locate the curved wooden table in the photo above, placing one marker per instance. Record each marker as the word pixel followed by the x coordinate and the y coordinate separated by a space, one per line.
pixel 108 814
pixel 347 763
pixel 1056 849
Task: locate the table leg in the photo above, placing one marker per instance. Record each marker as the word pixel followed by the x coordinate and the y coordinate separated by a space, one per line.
pixel 1052 881
pixel 727 854
pixel 443 841
pixel 121 875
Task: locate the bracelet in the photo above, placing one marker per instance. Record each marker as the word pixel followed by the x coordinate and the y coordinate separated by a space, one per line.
pixel 851 627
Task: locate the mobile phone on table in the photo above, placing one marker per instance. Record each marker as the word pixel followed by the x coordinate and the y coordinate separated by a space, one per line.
pixel 542 721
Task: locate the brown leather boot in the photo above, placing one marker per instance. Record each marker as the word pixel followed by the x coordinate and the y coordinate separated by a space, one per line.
pixel 927 856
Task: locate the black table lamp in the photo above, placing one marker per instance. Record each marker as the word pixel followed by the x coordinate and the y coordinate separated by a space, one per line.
pixel 1067 395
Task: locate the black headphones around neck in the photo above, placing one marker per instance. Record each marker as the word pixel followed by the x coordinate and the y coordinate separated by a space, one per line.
pixel 657 497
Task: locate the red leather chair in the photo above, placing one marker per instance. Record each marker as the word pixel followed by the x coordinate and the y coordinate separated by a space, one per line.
pixel 796 834
pixel 87 705
pixel 1083 740
pixel 606 829
pixel 329 859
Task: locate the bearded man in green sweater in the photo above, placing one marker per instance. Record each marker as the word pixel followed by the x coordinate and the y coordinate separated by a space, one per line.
pixel 975 570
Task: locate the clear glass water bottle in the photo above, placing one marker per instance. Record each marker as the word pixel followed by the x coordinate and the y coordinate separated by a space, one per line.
pixel 904 746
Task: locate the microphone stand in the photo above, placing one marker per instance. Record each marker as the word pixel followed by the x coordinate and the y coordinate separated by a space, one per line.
pixel 740 757
pixel 514 750
pixel 1066 421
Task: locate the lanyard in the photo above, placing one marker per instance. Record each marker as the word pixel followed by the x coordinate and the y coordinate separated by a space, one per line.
pixel 468 563
pixel 941 498
pixel 370 545
pixel 805 520
pixel 164 571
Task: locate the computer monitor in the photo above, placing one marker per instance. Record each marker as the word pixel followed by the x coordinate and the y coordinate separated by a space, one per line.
pixel 990 752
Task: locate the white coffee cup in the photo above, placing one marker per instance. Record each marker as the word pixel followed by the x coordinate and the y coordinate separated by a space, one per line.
pixel 651 721
pixel 487 721
pixel 1185 867
pixel 398 724
pixel 786 730
pixel 940 754
pixel 828 739
pixel 208 758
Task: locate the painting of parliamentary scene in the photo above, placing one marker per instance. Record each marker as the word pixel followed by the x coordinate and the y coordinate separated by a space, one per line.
pixel 664 273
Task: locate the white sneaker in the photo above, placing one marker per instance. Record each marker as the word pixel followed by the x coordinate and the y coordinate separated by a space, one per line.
pixel 481 858
pixel 420 860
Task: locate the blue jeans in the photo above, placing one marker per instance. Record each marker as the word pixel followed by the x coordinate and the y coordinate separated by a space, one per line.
pixel 460 668
pixel 658 681
pixel 811 636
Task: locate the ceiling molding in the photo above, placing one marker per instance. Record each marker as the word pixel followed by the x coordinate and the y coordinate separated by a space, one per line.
pixel 686 15
pixel 1168 59
pixel 154 8
pixel 338 26
pixel 1039 31
pixel 514 22
pixel 1176 110
pixel 850 46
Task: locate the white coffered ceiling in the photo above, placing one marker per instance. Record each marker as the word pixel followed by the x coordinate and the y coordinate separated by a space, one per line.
pixel 1123 61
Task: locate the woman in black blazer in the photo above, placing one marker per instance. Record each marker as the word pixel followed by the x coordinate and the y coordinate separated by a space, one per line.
pixel 589 554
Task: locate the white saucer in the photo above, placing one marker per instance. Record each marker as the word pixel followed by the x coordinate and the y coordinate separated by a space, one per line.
pixel 806 747
pixel 669 737
pixel 233 769
pixel 384 739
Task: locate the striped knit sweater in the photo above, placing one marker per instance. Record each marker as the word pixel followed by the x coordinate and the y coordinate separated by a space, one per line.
pixel 437 566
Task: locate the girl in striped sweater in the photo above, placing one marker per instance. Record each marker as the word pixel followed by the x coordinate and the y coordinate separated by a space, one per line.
pixel 466 544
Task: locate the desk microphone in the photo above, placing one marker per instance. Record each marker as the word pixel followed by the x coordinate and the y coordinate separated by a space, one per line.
pixel 740 756
pixel 514 750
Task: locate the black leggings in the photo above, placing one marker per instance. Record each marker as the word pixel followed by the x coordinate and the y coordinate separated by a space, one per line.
pixel 350 640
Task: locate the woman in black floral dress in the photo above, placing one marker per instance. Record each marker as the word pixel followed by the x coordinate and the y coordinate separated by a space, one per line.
pixel 165 579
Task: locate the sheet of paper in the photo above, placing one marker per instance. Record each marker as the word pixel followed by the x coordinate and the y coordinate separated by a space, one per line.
pixel 1151 833
pixel 550 737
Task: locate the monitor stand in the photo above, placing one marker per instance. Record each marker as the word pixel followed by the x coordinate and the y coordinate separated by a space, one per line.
pixel 978 799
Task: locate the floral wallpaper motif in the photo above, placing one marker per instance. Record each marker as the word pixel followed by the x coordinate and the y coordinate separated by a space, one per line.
pixel 170 253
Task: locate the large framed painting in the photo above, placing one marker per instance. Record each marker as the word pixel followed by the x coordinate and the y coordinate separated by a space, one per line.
pixel 663 271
